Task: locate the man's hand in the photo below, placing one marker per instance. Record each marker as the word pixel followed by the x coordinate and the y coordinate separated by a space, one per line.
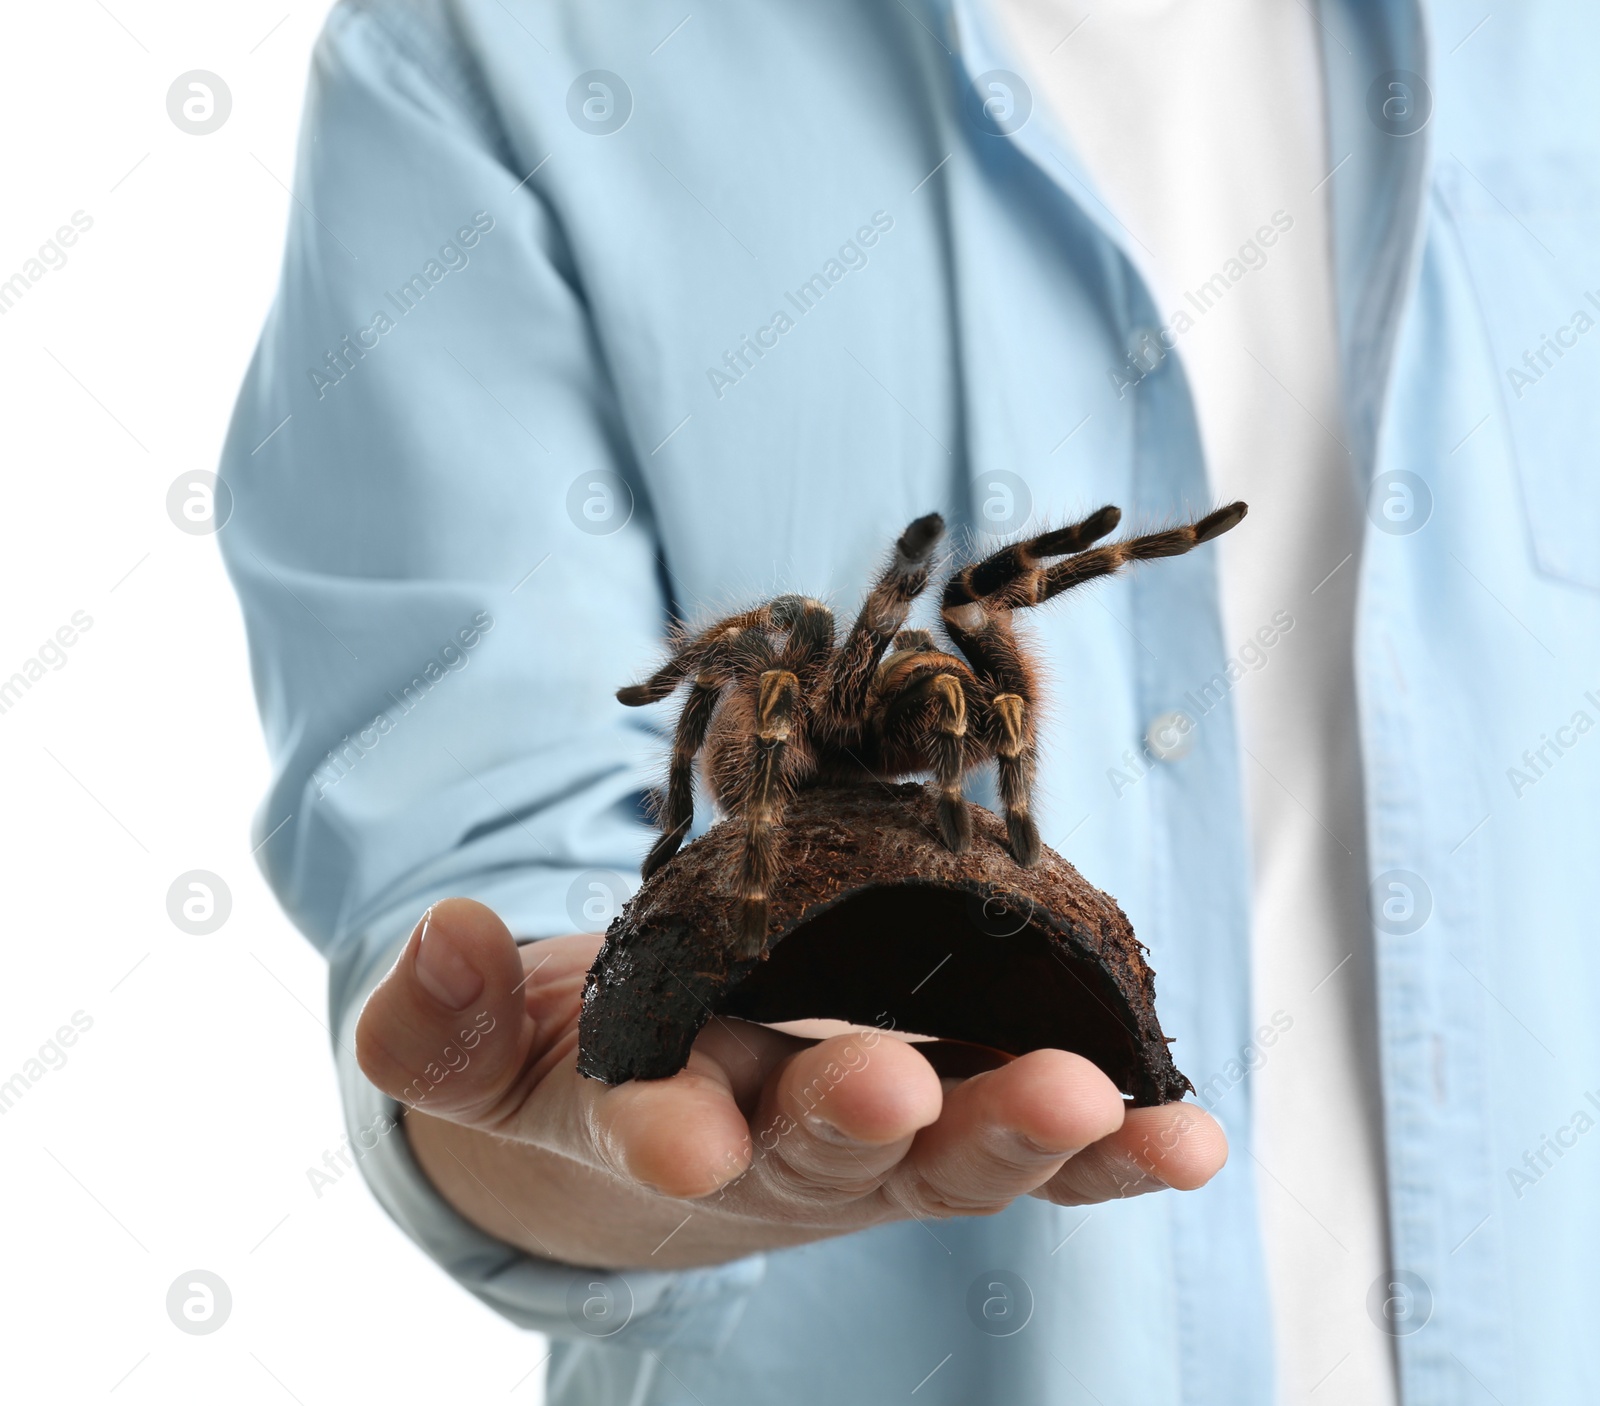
pixel 764 1140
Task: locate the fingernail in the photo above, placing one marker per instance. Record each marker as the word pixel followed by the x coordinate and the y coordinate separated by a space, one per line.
pixel 443 972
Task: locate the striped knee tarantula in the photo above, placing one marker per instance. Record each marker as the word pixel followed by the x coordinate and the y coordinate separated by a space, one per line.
pixel 777 703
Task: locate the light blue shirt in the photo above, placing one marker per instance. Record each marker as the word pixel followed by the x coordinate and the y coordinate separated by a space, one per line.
pixel 559 353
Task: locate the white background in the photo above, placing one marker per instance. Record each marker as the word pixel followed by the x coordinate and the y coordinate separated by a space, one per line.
pixel 179 1133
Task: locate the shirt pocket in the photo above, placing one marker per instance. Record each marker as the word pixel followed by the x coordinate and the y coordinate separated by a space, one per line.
pixel 1530 229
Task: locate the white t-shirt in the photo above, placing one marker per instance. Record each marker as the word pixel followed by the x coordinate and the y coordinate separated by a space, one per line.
pixel 1201 123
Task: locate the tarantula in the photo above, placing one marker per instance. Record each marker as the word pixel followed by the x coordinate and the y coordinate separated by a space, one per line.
pixel 777 703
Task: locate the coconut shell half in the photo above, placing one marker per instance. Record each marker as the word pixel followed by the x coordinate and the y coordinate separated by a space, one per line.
pixel 875 922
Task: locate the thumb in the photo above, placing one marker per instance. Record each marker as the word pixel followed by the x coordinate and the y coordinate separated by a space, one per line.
pixel 447 1030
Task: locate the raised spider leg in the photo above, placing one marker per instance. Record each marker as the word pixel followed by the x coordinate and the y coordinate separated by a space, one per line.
pixel 882 614
pixel 777 691
pixel 1008 571
pixel 1106 560
pixel 976 611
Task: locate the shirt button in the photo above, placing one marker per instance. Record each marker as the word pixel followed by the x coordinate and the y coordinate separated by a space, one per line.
pixel 1145 349
pixel 1170 738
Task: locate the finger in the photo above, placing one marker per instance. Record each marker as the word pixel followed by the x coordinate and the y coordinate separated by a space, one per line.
pixel 447 1030
pixel 1004 1133
pixel 834 1119
pixel 684 1136
pixel 1176 1145
pixel 557 969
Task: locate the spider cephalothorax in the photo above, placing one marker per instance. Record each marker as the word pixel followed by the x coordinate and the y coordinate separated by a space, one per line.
pixel 777 703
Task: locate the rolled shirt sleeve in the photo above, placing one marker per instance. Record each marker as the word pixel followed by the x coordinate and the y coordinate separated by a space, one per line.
pixel 445 568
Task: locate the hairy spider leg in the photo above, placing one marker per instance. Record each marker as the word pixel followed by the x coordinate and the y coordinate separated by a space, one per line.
pixel 690 654
pixel 677 811
pixel 938 733
pixel 725 656
pixel 978 599
pixel 1104 561
pixel 777 692
pixel 949 760
pixel 725 650
pixel 882 614
pixel 982 632
pixel 976 611
pixel 1016 759
pixel 810 641
pixel 979 624
pixel 1003 571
